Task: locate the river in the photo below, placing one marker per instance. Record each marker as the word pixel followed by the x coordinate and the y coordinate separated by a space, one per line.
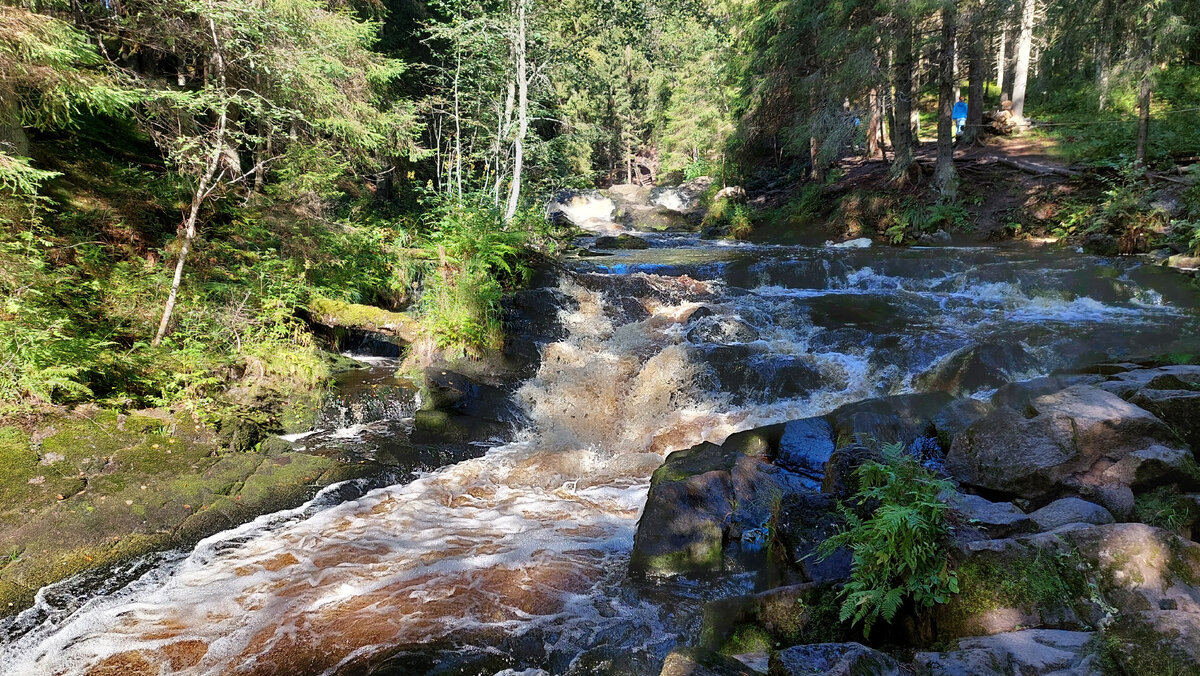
pixel 512 559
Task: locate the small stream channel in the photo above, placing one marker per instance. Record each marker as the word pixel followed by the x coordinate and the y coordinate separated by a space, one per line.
pixel 510 558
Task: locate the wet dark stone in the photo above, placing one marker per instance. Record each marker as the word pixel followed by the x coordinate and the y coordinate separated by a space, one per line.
pixel 806 445
pixel 805 521
pixel 840 481
pixel 440 427
pixel 622 242
pixel 446 390
pixel 900 418
pixel 722 330
pixel 750 373
pixel 976 367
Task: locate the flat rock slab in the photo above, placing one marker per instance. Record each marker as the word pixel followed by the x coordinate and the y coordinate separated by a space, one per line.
pixel 1070 510
pixel 1032 652
pixel 833 659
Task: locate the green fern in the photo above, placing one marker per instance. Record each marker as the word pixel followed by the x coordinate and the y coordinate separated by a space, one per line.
pixel 899 547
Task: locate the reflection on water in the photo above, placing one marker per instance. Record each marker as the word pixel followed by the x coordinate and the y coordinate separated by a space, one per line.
pixel 522 552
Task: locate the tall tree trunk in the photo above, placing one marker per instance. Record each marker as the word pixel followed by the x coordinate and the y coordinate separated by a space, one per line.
pixel 1021 70
pixel 522 77
pixel 873 124
pixel 902 153
pixel 1104 52
pixel 946 178
pixel 457 124
pixel 1001 62
pixel 202 188
pixel 13 139
pixel 1147 64
pixel 975 74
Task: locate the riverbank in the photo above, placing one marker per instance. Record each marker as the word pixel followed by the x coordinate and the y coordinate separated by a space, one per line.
pixel 90 488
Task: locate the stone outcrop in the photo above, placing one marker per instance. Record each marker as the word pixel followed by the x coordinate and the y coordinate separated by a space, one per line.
pixel 1030 652
pixel 1050 584
pixel 832 659
pixel 1066 442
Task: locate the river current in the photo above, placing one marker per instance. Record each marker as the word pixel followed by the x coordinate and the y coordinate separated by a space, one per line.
pixel 512 559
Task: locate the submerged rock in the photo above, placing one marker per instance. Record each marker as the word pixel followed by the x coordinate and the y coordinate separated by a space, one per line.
pixel 622 241
pixel 720 329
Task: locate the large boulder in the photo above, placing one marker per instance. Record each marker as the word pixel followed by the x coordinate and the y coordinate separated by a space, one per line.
pixel 653 219
pixel 709 509
pixel 622 241
pixel 995 519
pixel 976 367
pixel 1064 443
pixel 1178 408
pixel 696 662
pixel 901 418
pixel 1032 652
pixel 833 659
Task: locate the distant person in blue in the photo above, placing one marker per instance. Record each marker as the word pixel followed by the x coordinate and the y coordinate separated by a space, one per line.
pixel 959 115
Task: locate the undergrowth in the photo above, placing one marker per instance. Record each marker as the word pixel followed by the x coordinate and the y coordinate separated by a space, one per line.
pixel 897 532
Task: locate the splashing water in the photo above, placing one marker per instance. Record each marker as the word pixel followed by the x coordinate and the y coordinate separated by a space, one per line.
pixel 532 539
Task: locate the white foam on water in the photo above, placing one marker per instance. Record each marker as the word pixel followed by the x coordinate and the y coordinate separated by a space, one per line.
pixel 534 533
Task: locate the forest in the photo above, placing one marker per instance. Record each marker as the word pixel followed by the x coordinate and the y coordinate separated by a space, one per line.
pixel 180 178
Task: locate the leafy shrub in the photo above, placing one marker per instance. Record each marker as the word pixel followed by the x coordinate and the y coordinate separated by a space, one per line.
pixel 897 533
pixel 475 257
pixel 915 218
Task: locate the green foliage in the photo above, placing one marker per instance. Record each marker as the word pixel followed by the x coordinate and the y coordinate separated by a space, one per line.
pixel 1122 211
pixel 914 218
pixel 477 256
pixel 899 546
pixel 1165 508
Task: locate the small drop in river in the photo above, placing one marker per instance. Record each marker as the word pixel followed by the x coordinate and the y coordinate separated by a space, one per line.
pixel 513 556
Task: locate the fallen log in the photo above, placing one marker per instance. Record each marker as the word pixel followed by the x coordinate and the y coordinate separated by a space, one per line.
pixel 1037 169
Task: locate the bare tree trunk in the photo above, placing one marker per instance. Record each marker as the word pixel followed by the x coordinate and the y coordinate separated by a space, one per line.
pixel 1001 64
pixel 1104 52
pixel 1021 70
pixel 946 178
pixel 975 75
pixel 902 153
pixel 13 139
pixel 457 124
pixel 1144 93
pixel 522 77
pixel 202 188
pixel 873 124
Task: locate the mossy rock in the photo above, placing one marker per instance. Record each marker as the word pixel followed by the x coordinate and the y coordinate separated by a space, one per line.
pixel 780 617
pixel 337 313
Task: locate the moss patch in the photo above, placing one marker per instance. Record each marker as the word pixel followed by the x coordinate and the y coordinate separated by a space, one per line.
pixel 102 488
pixel 1129 646
pixel 338 313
